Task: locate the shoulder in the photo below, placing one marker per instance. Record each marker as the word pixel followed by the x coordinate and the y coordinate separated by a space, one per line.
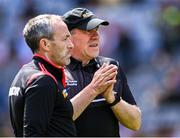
pixel 30 73
pixel 40 76
pixel 101 60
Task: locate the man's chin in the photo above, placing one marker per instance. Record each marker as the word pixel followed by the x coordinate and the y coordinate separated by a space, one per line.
pixel 95 55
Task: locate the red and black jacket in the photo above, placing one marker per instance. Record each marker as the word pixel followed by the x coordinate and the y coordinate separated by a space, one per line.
pixel 38 101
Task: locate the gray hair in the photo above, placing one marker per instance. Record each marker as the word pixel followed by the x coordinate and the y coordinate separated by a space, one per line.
pixel 37 28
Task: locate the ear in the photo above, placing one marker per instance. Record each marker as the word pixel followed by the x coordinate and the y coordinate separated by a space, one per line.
pixel 44 44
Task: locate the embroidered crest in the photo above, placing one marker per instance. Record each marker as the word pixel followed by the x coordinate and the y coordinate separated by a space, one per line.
pixel 64 92
pixel 85 15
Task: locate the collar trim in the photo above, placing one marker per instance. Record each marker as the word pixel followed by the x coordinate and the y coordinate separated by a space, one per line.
pixel 54 65
pixel 44 58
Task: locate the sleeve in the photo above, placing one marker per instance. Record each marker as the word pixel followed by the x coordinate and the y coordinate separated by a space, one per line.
pixel 39 104
pixel 123 89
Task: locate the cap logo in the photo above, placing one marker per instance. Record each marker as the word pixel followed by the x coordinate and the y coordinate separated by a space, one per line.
pixel 86 14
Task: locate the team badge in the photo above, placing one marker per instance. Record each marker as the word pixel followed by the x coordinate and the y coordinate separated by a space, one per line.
pixel 85 15
pixel 64 92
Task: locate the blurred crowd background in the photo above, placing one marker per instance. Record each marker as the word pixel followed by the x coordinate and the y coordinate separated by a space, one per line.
pixel 144 35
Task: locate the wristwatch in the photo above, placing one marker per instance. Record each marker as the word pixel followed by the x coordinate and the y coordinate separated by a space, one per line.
pixel 117 99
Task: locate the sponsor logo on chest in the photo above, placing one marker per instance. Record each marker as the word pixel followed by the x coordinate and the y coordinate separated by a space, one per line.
pixel 71 82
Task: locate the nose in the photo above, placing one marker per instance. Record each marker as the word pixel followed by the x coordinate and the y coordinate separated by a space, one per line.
pixel 70 44
pixel 94 34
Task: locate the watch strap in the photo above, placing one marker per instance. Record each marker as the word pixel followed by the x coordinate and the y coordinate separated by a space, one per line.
pixel 117 99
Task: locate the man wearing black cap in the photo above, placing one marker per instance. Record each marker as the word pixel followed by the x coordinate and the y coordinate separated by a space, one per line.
pixel 116 104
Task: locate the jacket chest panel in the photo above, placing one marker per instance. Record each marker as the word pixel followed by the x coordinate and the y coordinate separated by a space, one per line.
pixel 77 81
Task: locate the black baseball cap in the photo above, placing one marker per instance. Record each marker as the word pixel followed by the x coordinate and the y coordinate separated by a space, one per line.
pixel 82 18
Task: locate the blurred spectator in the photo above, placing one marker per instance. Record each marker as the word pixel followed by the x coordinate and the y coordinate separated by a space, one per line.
pixel 170 27
pixel 171 83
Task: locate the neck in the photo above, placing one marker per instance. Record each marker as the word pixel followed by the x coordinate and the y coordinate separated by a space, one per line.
pixel 84 61
pixel 45 56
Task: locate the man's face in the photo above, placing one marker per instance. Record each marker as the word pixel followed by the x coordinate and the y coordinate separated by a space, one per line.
pixel 86 44
pixel 61 45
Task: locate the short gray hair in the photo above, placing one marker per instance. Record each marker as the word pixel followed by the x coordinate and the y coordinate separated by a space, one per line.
pixel 37 28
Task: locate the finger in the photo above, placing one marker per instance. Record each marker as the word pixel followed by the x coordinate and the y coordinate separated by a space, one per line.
pixel 110 76
pixel 110 71
pixel 102 81
pixel 110 82
pixel 99 80
pixel 100 71
pixel 103 66
pixel 102 78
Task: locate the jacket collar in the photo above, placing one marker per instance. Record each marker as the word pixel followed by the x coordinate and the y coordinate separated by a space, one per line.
pixel 53 69
pixel 76 64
